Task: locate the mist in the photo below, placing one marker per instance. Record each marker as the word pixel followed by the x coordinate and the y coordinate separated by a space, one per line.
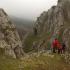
pixel 28 9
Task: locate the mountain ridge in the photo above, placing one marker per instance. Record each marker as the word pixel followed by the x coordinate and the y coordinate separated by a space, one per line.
pixel 10 41
pixel 54 23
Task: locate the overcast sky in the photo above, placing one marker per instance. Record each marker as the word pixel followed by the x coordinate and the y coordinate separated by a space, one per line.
pixel 29 9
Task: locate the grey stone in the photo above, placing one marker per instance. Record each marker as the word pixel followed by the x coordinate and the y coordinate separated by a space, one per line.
pixel 56 21
pixel 9 37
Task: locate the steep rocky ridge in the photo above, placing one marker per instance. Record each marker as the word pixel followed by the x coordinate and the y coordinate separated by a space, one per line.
pixel 55 23
pixel 9 39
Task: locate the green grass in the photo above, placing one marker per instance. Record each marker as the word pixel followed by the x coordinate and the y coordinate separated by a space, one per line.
pixel 33 63
pixel 8 63
pixel 32 38
pixel 29 42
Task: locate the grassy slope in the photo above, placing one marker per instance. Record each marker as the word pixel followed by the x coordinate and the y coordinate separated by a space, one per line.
pixel 32 38
pixel 33 63
pixel 29 42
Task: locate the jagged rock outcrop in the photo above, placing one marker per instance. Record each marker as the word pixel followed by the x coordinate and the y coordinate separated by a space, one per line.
pixel 56 23
pixel 9 38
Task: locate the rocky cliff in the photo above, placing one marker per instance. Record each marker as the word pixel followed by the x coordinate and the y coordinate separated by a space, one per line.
pixel 10 41
pixel 55 23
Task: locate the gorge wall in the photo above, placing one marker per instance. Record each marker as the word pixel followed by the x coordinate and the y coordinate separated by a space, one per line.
pixel 10 41
pixel 56 23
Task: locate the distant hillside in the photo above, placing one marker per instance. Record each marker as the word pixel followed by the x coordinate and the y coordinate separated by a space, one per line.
pixel 22 23
pixel 24 27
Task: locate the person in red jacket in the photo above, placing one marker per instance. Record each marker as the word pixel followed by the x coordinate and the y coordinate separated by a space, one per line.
pixel 56 46
pixel 59 47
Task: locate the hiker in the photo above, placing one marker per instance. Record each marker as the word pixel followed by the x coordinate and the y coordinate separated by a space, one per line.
pixel 59 47
pixel 63 47
pixel 54 45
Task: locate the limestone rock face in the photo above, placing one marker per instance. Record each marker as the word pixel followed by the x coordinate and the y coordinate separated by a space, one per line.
pixel 9 38
pixel 56 23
